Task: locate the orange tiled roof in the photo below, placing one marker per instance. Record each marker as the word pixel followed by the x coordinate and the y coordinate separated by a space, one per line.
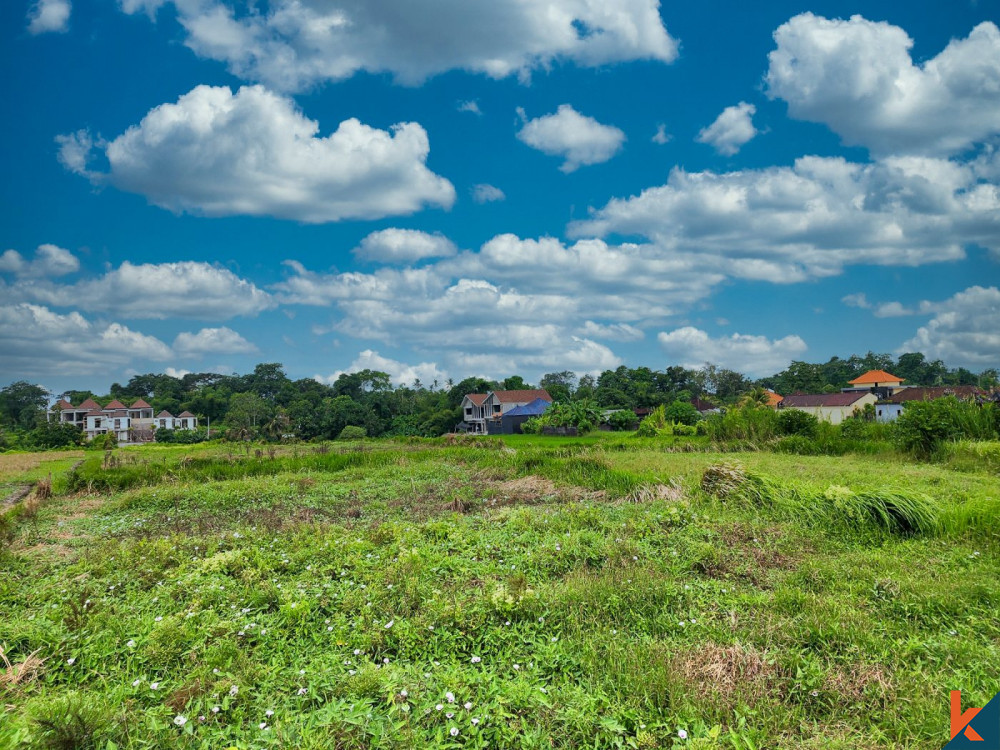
pixel 875 376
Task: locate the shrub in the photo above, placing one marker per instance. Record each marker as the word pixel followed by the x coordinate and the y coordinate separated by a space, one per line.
pixel 182 437
pixel 653 423
pixel 924 426
pixel 682 412
pixel 797 422
pixel 104 442
pixel 352 432
pixel 622 420
pixel 746 424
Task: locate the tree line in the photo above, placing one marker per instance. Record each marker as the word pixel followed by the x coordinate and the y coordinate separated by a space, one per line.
pixel 267 404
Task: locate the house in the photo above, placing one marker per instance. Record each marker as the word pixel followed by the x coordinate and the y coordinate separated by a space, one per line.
pixel 479 411
pixel 473 414
pixel 829 407
pixel 887 410
pixel 879 382
pixel 704 407
pixel 129 424
pixel 510 423
pixel 773 399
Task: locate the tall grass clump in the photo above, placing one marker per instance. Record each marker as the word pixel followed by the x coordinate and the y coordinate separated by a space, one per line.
pixel 892 510
pixel 972 455
pixel 750 425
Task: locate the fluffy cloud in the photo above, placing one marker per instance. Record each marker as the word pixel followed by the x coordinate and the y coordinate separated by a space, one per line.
pixel 612 331
pixel 293 44
pixel 485 193
pixel 859 299
pixel 472 105
pixel 753 355
pixel 965 329
pixel 37 341
pixel 399 372
pixel 579 139
pixel 49 15
pixel 404 246
pixel 661 136
pixel 216 153
pixel 212 341
pixel 786 224
pixel 49 260
pixel 731 129
pixel 857 77
pixel 155 290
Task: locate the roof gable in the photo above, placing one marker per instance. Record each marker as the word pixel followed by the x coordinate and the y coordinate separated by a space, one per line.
pixel 873 377
pixel 140 404
pixel 185 414
pixel 921 393
pixel 164 415
pixel 116 404
pixel 89 404
pixel 477 398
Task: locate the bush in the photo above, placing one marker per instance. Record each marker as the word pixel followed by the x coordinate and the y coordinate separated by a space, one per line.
pixel 621 421
pixel 181 437
pixel 653 423
pixel 797 422
pixel 352 432
pixel 745 424
pixel 924 426
pixel 104 442
pixel 682 412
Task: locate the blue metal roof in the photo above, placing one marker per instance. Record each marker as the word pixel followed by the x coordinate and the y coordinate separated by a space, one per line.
pixel 533 409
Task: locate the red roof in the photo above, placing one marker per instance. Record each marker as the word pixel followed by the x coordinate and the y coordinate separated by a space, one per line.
pixel 64 404
pixel 823 399
pixel 522 397
pixel 476 398
pixel 116 404
pixel 185 414
pixel 140 404
pixel 89 404
pixel 961 392
pixel 773 399
pixel 164 414
pixel 874 377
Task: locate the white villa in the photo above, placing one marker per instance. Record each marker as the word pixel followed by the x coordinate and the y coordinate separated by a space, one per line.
pixel 480 410
pixel 130 424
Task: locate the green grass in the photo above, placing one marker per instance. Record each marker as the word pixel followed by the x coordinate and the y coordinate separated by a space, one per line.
pixel 578 593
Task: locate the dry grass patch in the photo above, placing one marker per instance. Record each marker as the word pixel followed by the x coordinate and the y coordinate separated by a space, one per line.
pixel 718 672
pixel 23 672
pixel 862 683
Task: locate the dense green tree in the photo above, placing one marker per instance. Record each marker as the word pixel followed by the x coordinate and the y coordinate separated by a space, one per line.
pixel 22 403
pixel 516 383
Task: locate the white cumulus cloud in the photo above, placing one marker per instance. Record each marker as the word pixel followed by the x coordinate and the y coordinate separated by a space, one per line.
pixel 212 341
pixel 154 290
pixel 37 341
pixel 731 129
pixel 751 355
pixel 485 193
pixel 216 153
pixel 965 330
pixel 787 224
pixel 294 44
pixel 858 77
pixel 579 139
pixel 399 372
pixel 404 246
pixel 49 260
pixel 49 15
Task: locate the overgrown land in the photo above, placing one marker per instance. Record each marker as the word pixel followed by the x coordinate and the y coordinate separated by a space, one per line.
pixel 525 592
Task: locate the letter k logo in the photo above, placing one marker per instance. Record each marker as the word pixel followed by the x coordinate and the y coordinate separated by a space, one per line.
pixel 960 721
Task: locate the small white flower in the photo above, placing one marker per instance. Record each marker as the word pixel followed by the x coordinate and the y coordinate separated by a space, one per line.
pixel 450 697
pixel 158 618
pixel 234 690
pixel 180 720
pixel 475 721
pixel 517 667
pixel 130 644
pixel 403 693
pixel 136 683
pixel 468 706
pixel 438 707
pixel 682 734
pixel 389 624
pixel 449 715
pixel 385 660
pixel 303 691
pixel 453 731
pixel 262 725
pixel 71 661
pixel 352 672
pixel 269 713
pixel 201 718
pixel 215 709
pixel 476 659
pixel 154 685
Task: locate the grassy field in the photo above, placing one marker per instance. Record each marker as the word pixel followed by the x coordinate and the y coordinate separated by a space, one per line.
pixel 600 592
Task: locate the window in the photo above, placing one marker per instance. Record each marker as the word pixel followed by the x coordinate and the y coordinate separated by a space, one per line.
pixel 468 411
pixel 496 408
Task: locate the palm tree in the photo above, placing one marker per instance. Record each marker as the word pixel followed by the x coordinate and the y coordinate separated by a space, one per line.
pixel 756 397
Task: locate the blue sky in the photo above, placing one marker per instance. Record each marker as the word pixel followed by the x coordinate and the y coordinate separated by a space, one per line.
pixel 455 188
